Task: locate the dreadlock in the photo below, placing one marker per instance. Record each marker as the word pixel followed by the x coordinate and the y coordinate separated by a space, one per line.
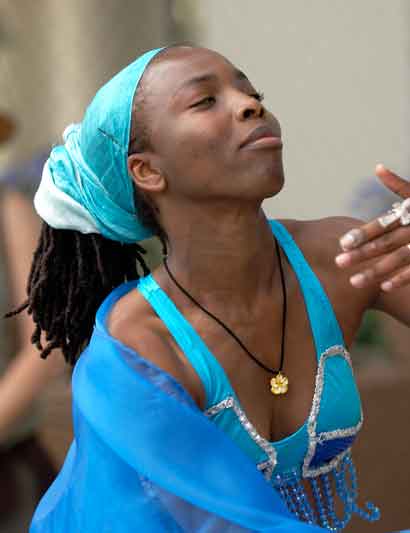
pixel 72 273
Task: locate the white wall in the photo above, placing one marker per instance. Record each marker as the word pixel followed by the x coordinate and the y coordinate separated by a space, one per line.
pixel 337 75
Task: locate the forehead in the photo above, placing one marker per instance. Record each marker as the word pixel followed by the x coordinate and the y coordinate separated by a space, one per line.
pixel 177 66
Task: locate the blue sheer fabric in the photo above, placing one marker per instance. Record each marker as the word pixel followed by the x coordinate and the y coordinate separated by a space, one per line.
pixel 145 458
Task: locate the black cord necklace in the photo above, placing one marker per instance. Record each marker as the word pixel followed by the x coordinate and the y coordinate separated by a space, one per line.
pixel 279 382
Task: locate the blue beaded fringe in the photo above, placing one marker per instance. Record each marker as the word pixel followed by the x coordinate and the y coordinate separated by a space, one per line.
pixel 340 483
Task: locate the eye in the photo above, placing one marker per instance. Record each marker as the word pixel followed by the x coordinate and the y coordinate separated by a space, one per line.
pixel 207 102
pixel 258 96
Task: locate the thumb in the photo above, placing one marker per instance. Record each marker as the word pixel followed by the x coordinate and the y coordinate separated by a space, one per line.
pixel 392 181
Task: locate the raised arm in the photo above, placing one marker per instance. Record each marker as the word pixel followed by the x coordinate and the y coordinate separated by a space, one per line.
pixel 27 375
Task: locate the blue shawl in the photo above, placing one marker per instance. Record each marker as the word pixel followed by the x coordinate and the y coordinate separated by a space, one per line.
pixel 145 458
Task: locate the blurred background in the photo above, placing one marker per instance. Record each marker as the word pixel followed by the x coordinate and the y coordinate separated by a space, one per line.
pixel 336 74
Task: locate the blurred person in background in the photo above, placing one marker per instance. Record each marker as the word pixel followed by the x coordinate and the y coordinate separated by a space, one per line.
pixel 179 145
pixel 26 470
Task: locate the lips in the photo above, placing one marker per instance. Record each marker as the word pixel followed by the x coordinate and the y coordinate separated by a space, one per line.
pixel 262 132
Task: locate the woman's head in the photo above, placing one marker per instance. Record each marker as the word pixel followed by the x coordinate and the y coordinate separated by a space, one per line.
pixel 192 113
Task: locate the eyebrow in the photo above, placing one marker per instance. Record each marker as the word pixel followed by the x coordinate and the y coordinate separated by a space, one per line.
pixel 209 77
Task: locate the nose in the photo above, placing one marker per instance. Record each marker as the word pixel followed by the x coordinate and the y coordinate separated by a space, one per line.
pixel 250 107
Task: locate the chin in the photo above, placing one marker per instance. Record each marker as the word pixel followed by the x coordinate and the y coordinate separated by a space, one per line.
pixel 276 186
pixel 266 186
pixel 274 180
pixel 264 181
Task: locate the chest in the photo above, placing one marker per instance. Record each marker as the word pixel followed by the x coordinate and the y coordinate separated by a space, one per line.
pixel 273 416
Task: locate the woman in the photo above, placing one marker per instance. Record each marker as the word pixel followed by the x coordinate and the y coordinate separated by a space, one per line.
pixel 193 402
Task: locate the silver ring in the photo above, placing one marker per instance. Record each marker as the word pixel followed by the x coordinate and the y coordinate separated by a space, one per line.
pixel 405 215
pixel 399 211
pixel 388 218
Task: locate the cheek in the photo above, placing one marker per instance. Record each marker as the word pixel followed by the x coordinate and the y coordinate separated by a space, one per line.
pixel 195 151
pixel 207 133
pixel 200 149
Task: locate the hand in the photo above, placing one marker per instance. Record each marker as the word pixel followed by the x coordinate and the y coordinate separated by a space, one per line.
pixel 390 245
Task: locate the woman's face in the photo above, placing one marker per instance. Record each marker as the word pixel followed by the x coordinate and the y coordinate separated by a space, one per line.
pixel 200 111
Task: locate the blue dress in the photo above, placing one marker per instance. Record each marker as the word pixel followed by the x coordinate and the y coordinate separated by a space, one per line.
pixel 319 452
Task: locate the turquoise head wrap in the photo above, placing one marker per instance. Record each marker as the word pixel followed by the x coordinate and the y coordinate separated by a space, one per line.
pixel 85 184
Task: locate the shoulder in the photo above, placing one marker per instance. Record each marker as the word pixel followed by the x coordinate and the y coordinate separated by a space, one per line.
pixel 133 322
pixel 318 241
pixel 320 238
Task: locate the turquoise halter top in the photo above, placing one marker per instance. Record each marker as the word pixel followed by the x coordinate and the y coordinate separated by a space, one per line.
pixel 320 448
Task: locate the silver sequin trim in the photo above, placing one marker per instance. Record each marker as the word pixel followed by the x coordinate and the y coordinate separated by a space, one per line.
pixel 230 402
pixel 314 438
pixel 267 467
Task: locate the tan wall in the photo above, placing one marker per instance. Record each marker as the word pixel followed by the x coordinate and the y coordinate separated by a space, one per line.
pixel 337 74
pixel 57 53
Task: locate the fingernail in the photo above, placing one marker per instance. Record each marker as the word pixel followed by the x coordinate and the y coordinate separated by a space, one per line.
pixel 358 280
pixel 351 239
pixel 387 286
pixel 342 259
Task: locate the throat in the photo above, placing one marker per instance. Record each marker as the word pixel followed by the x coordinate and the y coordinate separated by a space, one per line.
pixel 232 264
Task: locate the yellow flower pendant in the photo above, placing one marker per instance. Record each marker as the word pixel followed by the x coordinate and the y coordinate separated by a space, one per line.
pixel 279 384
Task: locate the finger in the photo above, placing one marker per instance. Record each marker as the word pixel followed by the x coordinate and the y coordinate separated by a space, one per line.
pixel 369 231
pixel 400 279
pixel 384 223
pixel 399 215
pixel 382 269
pixel 393 182
pixel 375 248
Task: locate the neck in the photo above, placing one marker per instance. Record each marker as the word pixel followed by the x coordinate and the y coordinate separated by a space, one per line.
pixel 229 257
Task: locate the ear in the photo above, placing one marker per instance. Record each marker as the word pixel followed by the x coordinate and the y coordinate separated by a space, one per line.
pixel 146 176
